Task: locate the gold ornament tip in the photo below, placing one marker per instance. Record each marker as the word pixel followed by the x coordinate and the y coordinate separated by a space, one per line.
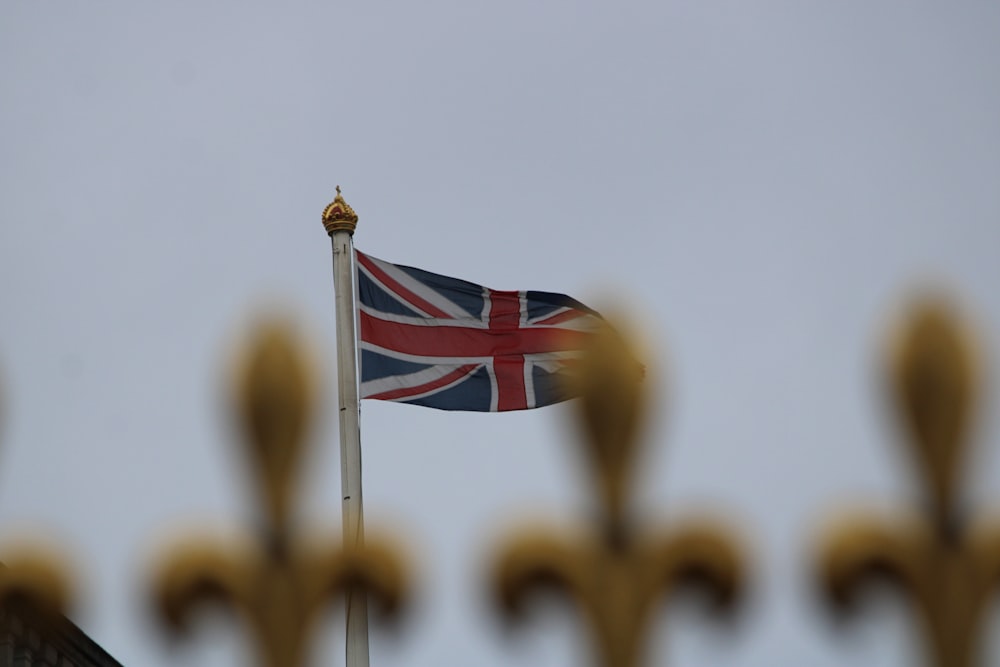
pixel 274 398
pixel 35 579
pixel 934 375
pixel 338 216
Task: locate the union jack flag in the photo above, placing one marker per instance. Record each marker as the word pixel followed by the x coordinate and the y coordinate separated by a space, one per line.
pixel 449 344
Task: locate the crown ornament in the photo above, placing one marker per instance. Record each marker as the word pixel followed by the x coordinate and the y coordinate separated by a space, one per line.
pixel 338 216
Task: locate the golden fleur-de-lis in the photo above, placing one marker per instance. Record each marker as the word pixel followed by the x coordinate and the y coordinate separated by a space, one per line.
pixel 34 583
pixel 947 565
pixel 282 583
pixel 33 578
pixel 617 573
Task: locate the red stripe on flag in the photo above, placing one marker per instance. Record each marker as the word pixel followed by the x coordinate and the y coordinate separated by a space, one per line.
pixel 510 382
pixel 396 287
pixel 409 392
pixel 505 309
pixel 447 341
pixel 505 315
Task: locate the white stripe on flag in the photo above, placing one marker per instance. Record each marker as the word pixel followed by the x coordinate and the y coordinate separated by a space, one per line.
pixel 426 359
pixel 529 384
pixel 494 389
pixel 487 306
pixel 411 380
pixel 418 288
pixel 428 321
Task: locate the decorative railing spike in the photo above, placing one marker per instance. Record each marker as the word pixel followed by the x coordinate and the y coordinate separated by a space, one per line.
pixel 615 572
pixel 282 582
pixel 34 582
pixel 618 568
pixel 948 565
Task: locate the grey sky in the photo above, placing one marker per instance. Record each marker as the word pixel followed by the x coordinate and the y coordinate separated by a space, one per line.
pixel 761 182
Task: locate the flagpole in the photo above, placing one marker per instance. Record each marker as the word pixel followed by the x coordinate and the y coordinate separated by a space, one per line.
pixel 340 221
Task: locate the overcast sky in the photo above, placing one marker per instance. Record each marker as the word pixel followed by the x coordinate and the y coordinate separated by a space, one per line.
pixel 761 182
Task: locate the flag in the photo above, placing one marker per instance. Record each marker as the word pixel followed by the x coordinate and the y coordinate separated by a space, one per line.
pixel 450 344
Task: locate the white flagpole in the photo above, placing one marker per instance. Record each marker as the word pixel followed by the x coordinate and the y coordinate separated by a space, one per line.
pixel 340 220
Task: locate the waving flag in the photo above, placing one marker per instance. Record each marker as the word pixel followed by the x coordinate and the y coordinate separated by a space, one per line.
pixel 453 345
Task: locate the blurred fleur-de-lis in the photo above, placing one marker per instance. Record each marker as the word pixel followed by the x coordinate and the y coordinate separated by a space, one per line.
pixel 947 564
pixel 34 582
pixel 617 573
pixel 281 584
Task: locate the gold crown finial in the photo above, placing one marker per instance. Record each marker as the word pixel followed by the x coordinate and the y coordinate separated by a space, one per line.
pixel 338 216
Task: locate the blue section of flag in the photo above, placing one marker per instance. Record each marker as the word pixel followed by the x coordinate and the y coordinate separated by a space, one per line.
pixel 370 294
pixel 468 296
pixel 543 304
pixel 472 395
pixel 375 366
